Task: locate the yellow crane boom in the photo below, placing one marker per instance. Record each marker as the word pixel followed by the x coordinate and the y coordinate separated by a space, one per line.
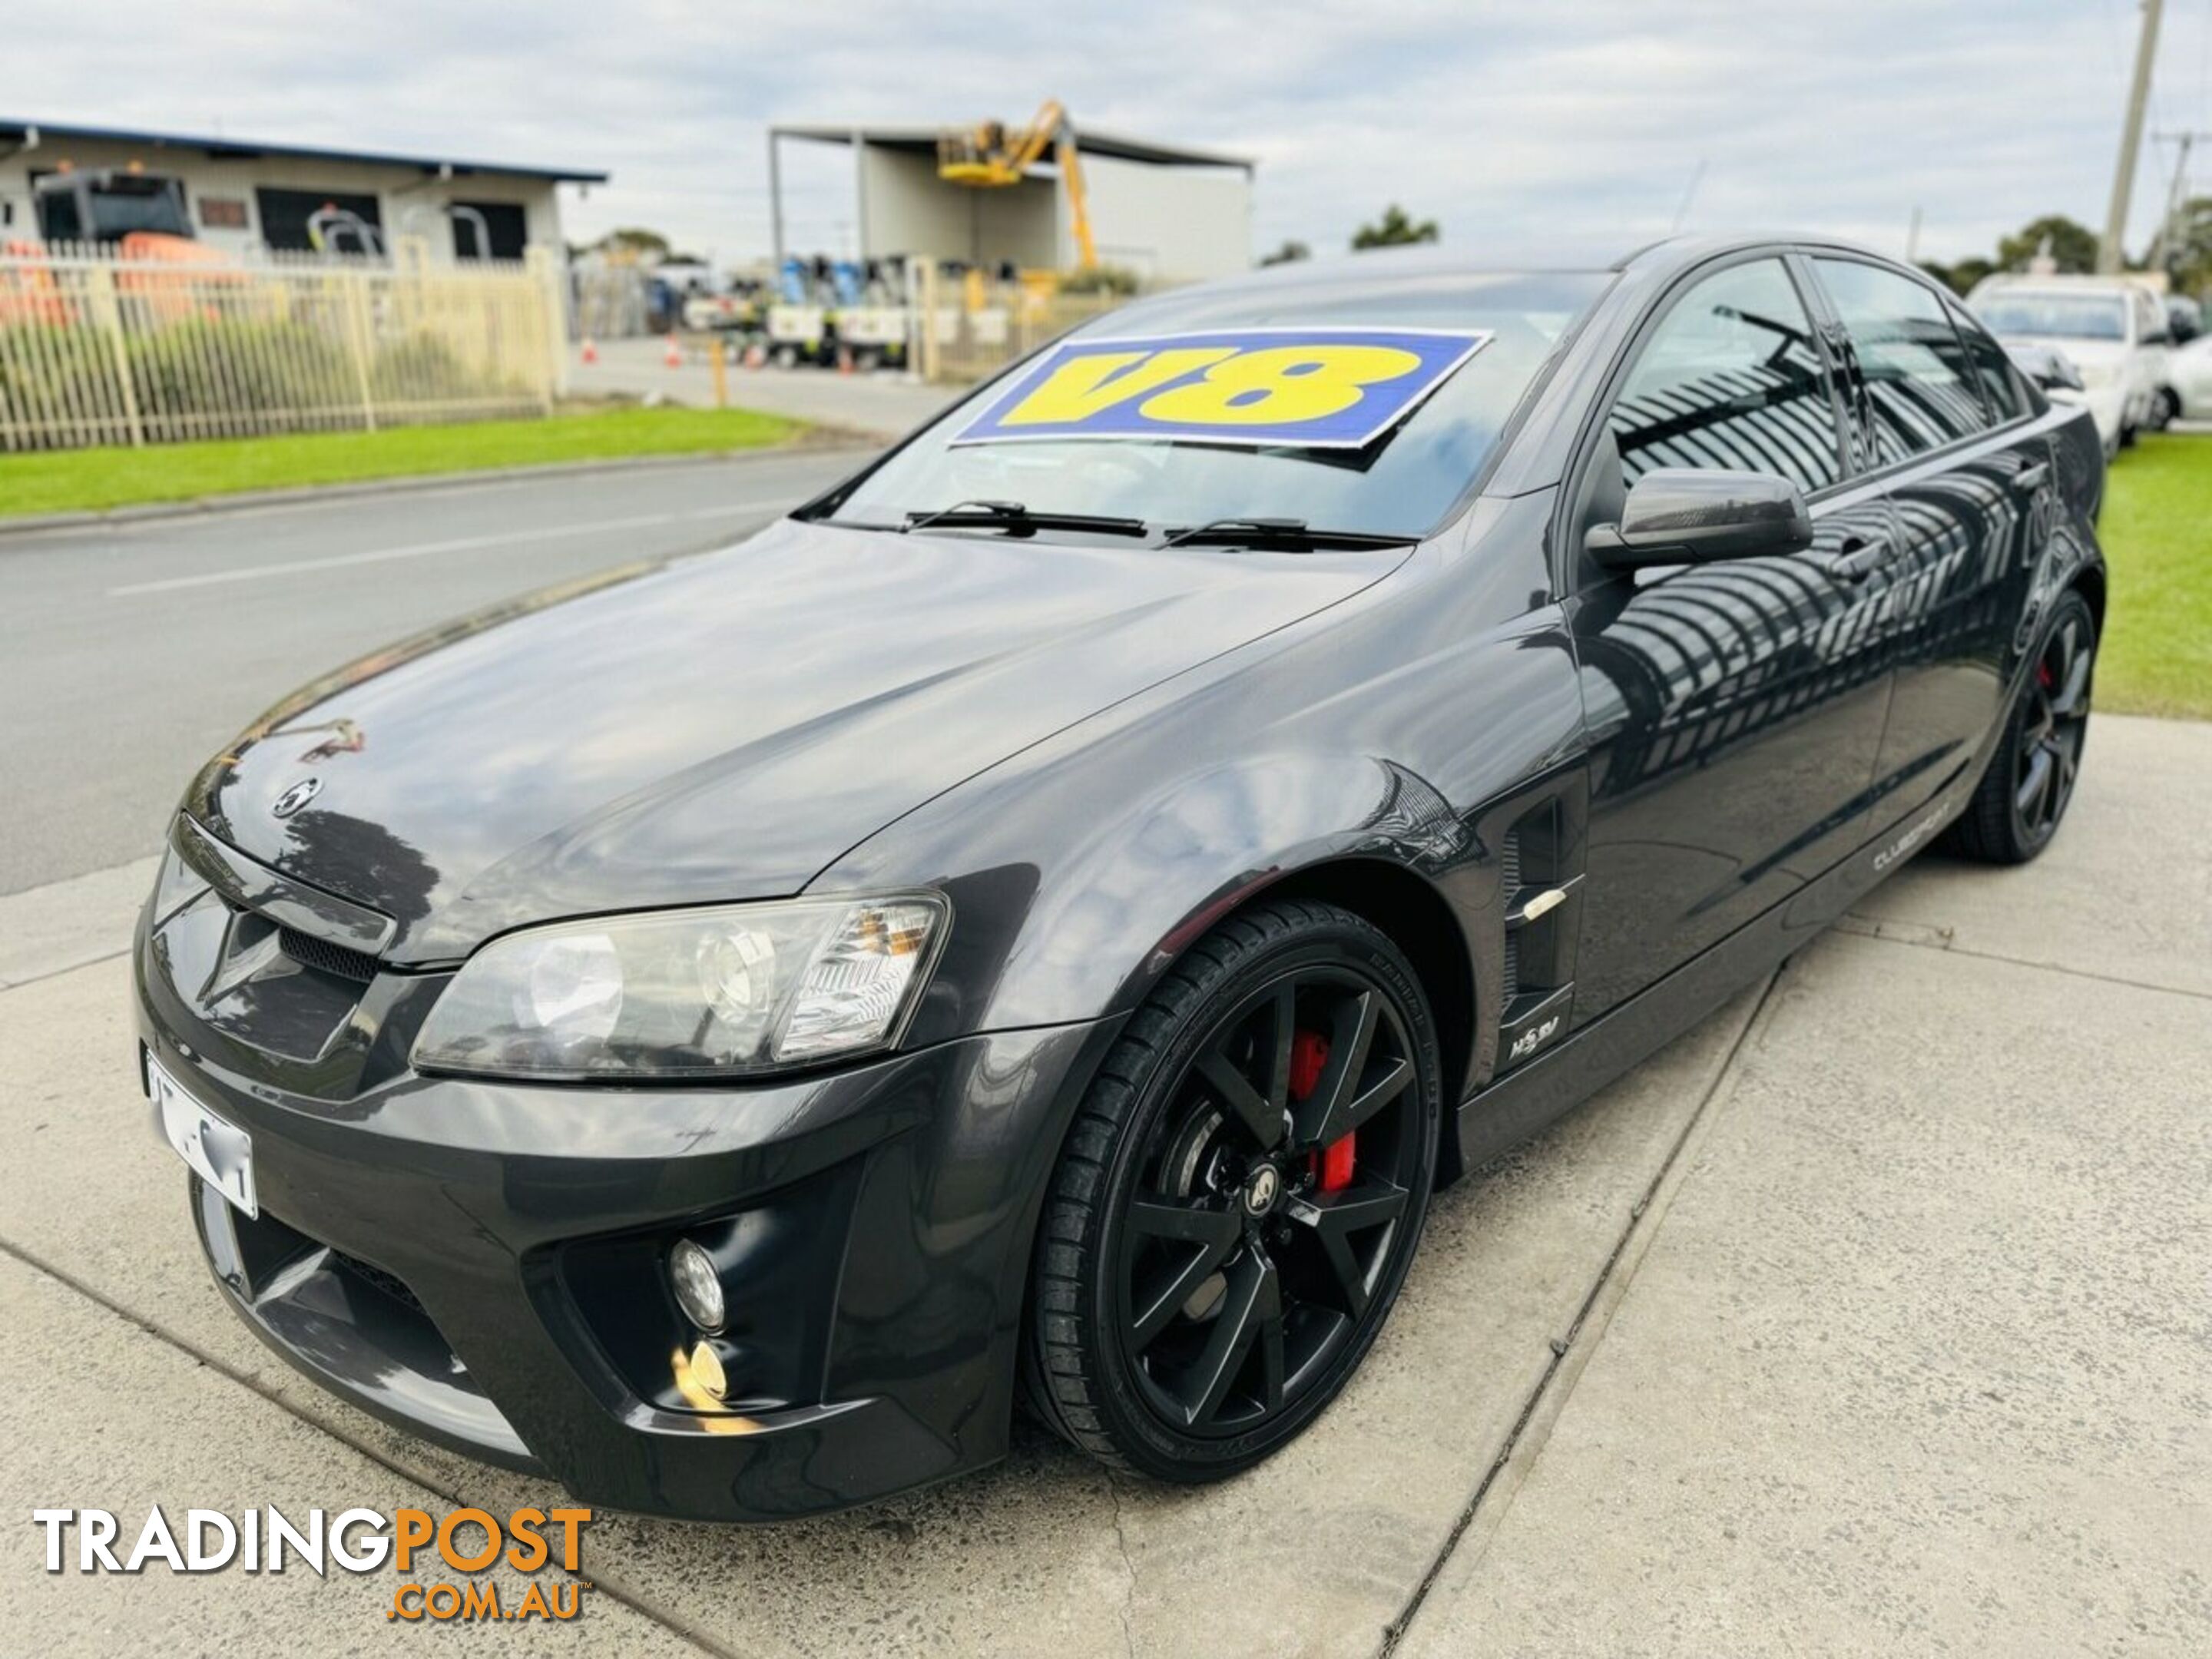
pixel 987 157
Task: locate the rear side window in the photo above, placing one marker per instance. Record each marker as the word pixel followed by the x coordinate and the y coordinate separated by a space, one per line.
pixel 1992 370
pixel 1921 388
pixel 1732 380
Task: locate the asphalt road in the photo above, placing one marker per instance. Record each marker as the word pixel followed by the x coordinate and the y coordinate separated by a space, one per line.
pixel 130 651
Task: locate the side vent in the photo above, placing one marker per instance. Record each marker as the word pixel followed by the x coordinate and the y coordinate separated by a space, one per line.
pixel 1543 924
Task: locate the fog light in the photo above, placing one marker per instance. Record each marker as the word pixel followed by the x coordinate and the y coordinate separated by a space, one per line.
pixel 698 1287
pixel 707 1371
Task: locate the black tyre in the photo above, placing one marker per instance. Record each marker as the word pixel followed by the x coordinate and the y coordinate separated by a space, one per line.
pixel 1239 1197
pixel 2023 795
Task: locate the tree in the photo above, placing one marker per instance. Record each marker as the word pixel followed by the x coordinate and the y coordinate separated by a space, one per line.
pixel 1289 253
pixel 649 246
pixel 1394 229
pixel 1961 276
pixel 2073 245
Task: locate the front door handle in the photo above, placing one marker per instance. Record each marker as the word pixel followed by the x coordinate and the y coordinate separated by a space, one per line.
pixel 1859 558
pixel 2032 477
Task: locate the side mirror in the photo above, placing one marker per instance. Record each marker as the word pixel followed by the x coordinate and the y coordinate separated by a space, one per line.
pixel 1685 515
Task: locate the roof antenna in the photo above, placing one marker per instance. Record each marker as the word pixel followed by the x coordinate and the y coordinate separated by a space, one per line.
pixel 1697 177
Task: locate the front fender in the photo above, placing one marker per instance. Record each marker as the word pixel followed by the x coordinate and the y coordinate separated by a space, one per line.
pixel 1144 882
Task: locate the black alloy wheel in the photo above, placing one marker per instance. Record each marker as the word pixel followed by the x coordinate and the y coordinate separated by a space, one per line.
pixel 2029 780
pixel 1240 1197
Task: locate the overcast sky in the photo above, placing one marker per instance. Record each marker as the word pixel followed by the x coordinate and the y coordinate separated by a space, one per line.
pixel 1832 115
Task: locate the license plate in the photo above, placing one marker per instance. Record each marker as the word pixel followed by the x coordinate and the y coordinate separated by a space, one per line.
pixel 220 1152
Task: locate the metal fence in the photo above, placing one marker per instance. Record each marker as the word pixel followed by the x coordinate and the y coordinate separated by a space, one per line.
pixel 101 347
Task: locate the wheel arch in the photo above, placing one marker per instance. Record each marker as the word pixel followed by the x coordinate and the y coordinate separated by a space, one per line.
pixel 2089 582
pixel 1420 921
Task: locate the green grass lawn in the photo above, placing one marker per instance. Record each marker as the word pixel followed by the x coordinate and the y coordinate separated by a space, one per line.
pixel 2156 657
pixel 92 479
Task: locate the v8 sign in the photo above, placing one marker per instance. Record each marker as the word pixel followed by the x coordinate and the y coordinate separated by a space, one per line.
pixel 1321 389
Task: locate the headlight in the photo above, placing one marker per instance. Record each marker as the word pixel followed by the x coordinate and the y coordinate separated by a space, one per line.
pixel 744 988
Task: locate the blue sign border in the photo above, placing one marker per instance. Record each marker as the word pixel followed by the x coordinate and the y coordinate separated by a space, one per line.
pixel 1409 390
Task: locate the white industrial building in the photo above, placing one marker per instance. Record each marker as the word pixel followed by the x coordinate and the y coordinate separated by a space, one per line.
pixel 1166 212
pixel 241 194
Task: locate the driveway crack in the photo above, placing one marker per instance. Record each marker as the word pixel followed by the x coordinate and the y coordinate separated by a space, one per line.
pixel 1594 1303
pixel 1128 1565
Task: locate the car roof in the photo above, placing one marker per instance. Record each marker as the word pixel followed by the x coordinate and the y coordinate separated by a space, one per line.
pixel 1562 254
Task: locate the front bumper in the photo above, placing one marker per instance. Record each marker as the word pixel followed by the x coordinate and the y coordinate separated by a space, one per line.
pixel 482 1263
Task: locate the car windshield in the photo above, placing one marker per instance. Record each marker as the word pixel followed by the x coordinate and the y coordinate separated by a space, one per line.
pixel 2055 316
pixel 1402 482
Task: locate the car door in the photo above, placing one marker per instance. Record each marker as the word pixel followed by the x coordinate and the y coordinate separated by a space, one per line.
pixel 1733 709
pixel 1968 474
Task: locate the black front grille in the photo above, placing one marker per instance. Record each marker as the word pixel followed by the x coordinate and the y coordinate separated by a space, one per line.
pixel 325 957
pixel 390 1283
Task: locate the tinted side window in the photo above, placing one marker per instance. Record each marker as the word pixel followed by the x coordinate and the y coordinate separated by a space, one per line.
pixel 1992 368
pixel 1733 379
pixel 1918 380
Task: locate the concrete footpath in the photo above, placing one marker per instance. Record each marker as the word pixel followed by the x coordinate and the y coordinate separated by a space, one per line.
pixel 1872 1316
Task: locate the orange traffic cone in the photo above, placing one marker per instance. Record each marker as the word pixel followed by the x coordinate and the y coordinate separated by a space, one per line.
pixel 755 357
pixel 674 355
pixel 590 352
pixel 844 360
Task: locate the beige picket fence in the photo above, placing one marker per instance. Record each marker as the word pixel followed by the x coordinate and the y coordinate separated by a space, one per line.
pixel 101 347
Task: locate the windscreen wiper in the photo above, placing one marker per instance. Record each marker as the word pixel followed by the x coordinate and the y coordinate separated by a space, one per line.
pixel 1278 532
pixel 1016 520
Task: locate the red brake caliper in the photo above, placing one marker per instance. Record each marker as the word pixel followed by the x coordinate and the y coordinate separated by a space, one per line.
pixel 1331 1167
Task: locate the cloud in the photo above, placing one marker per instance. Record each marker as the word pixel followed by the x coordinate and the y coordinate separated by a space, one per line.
pixel 1496 119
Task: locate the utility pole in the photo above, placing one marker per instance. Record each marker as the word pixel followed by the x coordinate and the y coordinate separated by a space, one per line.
pixel 2109 250
pixel 2159 243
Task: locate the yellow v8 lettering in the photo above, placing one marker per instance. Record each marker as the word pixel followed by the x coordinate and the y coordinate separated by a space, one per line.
pixel 1082 386
pixel 1281 384
pixel 1319 388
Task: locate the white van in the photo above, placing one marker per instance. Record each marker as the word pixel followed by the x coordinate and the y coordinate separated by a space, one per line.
pixel 2113 329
